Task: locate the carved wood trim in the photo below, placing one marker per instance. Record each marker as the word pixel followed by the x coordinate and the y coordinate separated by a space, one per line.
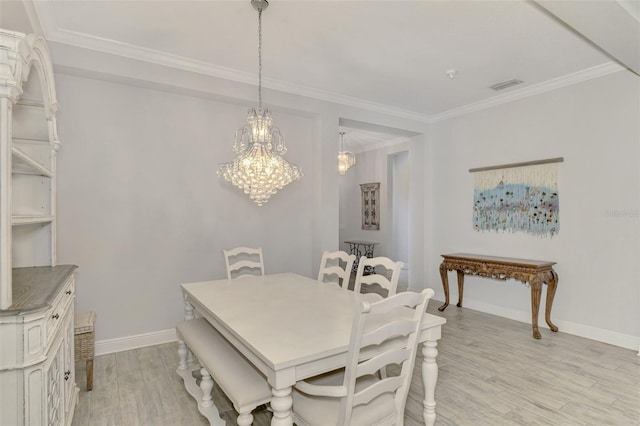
pixel 502 272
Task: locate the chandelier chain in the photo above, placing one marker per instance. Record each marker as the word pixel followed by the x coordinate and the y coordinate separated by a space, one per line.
pixel 260 58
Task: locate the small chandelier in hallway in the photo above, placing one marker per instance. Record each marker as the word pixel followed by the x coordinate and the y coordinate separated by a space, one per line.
pixel 259 170
pixel 346 159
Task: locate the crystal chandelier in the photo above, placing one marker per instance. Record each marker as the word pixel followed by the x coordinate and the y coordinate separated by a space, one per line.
pixel 259 169
pixel 346 159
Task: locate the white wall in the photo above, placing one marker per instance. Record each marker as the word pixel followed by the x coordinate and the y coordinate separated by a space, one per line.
pixel 399 204
pixel 141 209
pixel 594 126
pixel 140 206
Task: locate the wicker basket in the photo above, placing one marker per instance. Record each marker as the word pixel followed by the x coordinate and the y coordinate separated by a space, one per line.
pixel 84 342
pixel 84 336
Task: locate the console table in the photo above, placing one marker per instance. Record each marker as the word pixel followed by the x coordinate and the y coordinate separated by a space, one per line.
pixel 531 272
pixel 359 249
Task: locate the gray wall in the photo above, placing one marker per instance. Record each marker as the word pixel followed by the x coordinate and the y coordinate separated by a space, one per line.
pixel 141 209
pixel 594 126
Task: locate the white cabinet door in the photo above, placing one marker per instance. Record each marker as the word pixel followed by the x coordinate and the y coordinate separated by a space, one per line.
pixel 55 389
pixel 43 390
pixel 69 370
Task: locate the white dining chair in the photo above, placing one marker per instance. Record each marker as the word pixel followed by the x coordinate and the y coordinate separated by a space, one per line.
pixel 242 261
pixel 335 267
pixel 386 275
pixel 356 395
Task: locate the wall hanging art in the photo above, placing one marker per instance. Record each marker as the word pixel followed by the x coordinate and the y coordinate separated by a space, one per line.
pixel 517 197
pixel 370 206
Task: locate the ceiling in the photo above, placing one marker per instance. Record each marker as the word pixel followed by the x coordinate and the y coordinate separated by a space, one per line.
pixel 390 55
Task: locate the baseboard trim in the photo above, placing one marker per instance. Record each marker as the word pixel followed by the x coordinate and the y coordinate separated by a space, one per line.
pixel 121 344
pixel 581 330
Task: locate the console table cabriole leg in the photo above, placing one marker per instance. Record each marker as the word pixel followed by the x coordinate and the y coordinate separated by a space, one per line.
pixel 429 379
pixel 460 287
pixel 536 290
pixel 551 292
pixel 445 286
pixel 281 404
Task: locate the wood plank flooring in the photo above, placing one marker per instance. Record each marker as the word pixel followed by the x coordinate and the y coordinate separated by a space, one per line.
pixel 492 372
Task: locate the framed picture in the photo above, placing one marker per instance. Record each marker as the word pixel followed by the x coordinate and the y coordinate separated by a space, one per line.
pixel 370 206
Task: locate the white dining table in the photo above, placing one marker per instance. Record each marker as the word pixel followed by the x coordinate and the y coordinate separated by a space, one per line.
pixel 293 327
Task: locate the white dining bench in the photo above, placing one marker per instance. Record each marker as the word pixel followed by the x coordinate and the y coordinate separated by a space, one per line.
pixel 243 384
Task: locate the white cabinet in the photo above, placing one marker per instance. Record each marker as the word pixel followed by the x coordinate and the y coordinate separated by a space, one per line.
pixel 37 378
pixel 37 375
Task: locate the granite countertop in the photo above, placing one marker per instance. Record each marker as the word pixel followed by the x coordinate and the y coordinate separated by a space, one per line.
pixel 35 288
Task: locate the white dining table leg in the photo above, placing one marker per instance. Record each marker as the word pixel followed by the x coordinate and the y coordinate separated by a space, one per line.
pixel 281 405
pixel 429 379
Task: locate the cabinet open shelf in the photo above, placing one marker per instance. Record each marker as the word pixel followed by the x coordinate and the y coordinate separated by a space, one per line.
pixel 30 102
pixel 30 219
pixel 23 163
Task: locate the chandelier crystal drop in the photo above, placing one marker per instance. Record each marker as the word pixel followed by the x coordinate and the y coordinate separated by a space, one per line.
pixel 346 159
pixel 259 169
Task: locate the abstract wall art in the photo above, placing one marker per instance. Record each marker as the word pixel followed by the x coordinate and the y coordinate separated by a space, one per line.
pixel 519 197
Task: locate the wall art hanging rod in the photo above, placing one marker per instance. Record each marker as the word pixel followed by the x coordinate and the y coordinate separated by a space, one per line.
pixel 523 164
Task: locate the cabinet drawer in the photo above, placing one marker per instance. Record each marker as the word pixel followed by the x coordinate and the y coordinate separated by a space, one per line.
pixel 55 315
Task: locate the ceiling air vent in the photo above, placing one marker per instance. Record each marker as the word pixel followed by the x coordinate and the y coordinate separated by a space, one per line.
pixel 505 84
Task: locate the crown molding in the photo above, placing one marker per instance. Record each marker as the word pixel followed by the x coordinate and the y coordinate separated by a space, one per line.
pixel 131 51
pixel 144 54
pixel 344 100
pixel 535 89
pixel 45 13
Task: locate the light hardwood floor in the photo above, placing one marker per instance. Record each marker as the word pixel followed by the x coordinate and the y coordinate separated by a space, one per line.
pixel 492 372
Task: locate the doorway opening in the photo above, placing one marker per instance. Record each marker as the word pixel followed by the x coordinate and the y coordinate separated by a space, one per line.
pixel 382 156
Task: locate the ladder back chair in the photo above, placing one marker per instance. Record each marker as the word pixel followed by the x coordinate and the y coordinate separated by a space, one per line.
pixel 335 267
pixel 243 261
pixel 387 280
pixel 383 333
